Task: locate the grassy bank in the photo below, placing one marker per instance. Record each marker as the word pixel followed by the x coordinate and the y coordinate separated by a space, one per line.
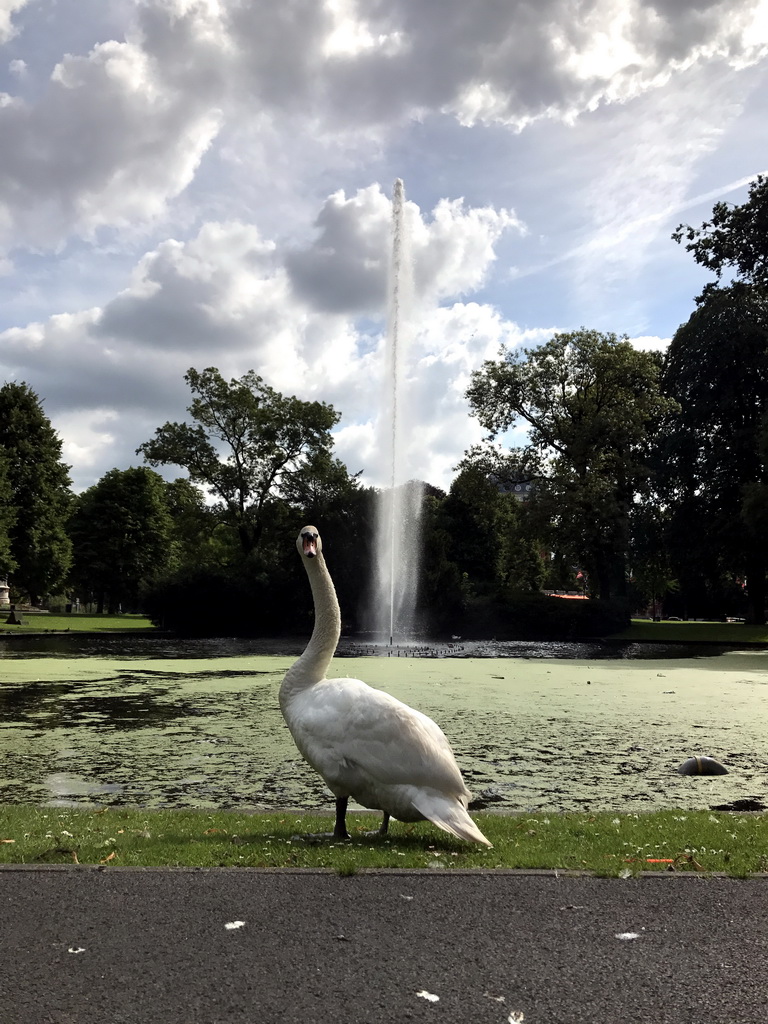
pixel 694 632
pixel 606 844
pixel 77 622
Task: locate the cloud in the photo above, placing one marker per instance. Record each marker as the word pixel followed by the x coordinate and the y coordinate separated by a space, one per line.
pixel 489 62
pixel 650 343
pixel 118 134
pixel 7 9
pixel 230 298
pixel 108 143
pixel 346 268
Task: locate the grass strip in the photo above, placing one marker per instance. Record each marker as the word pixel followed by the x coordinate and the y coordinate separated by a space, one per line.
pixel 606 844
pixel 738 633
pixel 77 623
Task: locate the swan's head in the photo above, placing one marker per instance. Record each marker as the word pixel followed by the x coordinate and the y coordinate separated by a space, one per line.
pixel 309 542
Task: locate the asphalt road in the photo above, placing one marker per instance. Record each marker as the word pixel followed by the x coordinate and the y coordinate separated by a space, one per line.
pixel 121 946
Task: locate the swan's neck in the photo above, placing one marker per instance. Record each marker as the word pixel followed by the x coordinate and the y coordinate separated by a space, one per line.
pixel 312 666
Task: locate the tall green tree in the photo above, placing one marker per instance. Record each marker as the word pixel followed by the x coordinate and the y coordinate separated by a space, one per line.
pixel 121 531
pixel 589 401
pixel 246 444
pixel 735 237
pixel 715 457
pixel 490 542
pixel 198 537
pixel 40 493
pixel 7 519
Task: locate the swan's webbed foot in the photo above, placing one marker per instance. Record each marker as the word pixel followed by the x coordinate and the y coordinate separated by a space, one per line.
pixel 382 830
pixel 339 829
pixel 321 837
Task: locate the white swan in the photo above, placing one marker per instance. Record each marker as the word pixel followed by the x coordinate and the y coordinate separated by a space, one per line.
pixel 363 742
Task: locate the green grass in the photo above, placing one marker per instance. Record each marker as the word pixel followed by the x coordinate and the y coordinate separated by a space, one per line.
pixel 76 622
pixel 695 632
pixel 605 844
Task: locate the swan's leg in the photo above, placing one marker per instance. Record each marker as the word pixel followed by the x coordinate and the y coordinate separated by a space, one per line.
pixel 340 829
pixel 382 830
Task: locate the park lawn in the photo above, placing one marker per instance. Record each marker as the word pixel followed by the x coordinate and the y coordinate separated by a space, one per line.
pixel 77 622
pixel 606 844
pixel 694 632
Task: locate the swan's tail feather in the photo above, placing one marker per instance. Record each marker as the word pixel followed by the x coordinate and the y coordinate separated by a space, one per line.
pixel 453 817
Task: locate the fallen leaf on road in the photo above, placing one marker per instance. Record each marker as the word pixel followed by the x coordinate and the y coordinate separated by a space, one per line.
pixel 428 995
pixel 628 935
pixel 231 925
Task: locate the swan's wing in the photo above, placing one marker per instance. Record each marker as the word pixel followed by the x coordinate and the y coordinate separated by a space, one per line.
pixel 344 724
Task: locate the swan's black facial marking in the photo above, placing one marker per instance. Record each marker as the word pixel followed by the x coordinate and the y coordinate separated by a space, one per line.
pixel 309 543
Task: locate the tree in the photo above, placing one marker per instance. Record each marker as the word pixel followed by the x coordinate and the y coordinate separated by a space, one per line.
pixel 7 520
pixel 121 530
pixel 489 541
pixel 589 401
pixel 40 495
pixel 198 537
pixel 715 456
pixel 736 236
pixel 247 444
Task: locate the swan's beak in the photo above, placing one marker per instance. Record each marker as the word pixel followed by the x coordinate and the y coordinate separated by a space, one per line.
pixel 309 544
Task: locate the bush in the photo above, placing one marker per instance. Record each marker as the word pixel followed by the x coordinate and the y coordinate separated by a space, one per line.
pixel 539 617
pixel 221 602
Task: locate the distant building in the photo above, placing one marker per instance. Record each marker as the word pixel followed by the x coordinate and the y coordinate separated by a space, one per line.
pixel 520 489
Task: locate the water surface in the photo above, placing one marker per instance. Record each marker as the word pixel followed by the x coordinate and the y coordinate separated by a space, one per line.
pixel 530 735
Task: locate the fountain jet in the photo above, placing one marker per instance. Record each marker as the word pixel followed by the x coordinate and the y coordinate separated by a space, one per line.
pixel 398 511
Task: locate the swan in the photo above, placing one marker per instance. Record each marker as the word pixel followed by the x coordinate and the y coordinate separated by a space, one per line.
pixel 363 742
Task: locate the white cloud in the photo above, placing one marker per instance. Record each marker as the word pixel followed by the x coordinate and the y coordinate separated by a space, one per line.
pixel 7 9
pixel 650 343
pixel 108 143
pixel 225 298
pixel 119 133
pixel 346 267
pixel 88 436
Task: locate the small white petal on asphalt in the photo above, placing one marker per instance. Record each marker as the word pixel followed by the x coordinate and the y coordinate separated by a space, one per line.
pixel 496 999
pixel 231 925
pixel 516 1017
pixel 405 897
pixel 76 949
pixel 628 935
pixel 428 995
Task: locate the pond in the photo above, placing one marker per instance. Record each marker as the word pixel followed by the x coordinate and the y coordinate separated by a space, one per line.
pixel 531 733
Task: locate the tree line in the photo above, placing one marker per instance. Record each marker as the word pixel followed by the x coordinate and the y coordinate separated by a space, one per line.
pixel 645 478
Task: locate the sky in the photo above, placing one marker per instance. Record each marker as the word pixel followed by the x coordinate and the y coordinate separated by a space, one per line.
pixel 195 183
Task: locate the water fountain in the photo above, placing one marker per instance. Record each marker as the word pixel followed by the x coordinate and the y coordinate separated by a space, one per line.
pixel 398 510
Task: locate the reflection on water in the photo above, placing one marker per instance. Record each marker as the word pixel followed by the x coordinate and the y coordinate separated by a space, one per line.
pixel 528 734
